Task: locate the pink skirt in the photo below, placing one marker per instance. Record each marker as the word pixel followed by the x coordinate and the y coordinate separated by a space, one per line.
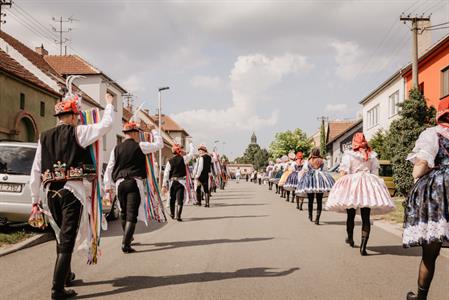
pixel 359 190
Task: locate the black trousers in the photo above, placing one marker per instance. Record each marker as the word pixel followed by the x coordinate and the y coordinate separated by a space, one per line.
pixel 176 195
pixel 129 198
pixel 366 222
pixel 205 186
pixel 66 211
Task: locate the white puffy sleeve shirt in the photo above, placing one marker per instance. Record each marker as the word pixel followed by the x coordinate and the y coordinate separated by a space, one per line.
pixel 426 147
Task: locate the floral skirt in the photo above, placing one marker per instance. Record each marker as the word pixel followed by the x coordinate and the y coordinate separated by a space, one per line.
pixel 315 181
pixel 360 190
pixel 284 177
pixel 426 216
pixel 292 181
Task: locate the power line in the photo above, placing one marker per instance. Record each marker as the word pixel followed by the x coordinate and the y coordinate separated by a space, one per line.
pixel 61 31
pixel 26 14
pixel 30 28
pixel 24 21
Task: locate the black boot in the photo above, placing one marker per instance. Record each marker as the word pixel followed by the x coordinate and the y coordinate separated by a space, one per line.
pixel 178 213
pixel 302 202
pixel 123 223
pixel 207 201
pixel 127 237
pixel 62 267
pixel 350 239
pixel 422 295
pixel 310 216
pixel 297 203
pixel 317 220
pixel 70 277
pixel 288 196
pixel 363 245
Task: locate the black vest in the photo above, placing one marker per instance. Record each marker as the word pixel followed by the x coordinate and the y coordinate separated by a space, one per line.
pixel 130 161
pixel 62 157
pixel 177 167
pixel 207 162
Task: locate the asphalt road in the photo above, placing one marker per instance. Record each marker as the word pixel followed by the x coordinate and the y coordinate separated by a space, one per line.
pixel 250 244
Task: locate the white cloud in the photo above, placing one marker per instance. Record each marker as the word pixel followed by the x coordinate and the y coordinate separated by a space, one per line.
pixel 207 82
pixel 251 77
pixel 336 108
pixel 353 61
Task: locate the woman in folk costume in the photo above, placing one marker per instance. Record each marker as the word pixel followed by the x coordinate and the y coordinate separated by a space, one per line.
pixel 290 169
pixel 292 180
pixel 315 182
pixel 175 179
pixel 201 175
pixel 360 187
pixel 285 172
pixel 426 221
pixel 126 171
pixel 270 174
pixel 62 166
pixel 279 170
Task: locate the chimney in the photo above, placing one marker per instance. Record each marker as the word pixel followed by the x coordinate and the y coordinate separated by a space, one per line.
pixel 424 37
pixel 41 50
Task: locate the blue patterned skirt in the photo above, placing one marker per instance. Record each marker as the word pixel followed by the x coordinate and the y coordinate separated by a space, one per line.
pixel 315 181
pixel 426 216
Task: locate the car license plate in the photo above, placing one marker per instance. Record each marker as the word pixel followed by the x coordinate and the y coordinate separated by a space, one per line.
pixel 10 187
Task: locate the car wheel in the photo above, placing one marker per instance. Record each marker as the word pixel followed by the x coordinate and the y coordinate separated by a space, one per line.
pixel 114 213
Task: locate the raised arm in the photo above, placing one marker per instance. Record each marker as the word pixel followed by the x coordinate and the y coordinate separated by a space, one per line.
pixel 108 182
pixel 166 175
pixel 189 156
pixel 35 178
pixel 148 147
pixel 88 134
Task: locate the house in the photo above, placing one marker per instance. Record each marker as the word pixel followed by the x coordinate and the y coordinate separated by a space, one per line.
pixel 342 141
pixel 96 84
pixel 29 89
pixel 433 73
pixel 177 133
pixel 334 129
pixel 380 108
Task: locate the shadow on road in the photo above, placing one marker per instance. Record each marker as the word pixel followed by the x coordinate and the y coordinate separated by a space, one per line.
pixel 240 204
pixel 182 244
pixel 394 250
pixel 223 217
pixel 357 223
pixel 134 283
pixel 115 229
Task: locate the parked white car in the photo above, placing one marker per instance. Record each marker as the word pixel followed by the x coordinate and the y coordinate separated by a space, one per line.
pixel 16 160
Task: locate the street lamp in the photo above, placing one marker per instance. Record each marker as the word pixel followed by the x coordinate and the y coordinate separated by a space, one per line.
pixel 160 134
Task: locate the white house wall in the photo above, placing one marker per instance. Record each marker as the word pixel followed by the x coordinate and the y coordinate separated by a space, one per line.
pixel 382 99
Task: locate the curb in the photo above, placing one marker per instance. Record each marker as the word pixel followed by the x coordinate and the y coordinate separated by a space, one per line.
pixel 30 242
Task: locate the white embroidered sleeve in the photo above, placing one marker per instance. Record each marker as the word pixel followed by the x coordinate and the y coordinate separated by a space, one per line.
pixel 88 134
pixel 189 156
pixel 158 144
pixel 426 147
pixel 199 170
pixel 374 165
pixel 345 164
pixel 108 182
pixel 166 174
pixel 35 178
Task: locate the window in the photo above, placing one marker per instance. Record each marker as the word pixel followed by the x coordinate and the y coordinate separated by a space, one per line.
pixel 373 116
pixel 393 102
pixel 104 143
pixel 42 109
pixel 421 88
pixel 445 82
pixel 22 101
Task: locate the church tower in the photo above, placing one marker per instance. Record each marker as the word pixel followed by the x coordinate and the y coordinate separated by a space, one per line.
pixel 254 139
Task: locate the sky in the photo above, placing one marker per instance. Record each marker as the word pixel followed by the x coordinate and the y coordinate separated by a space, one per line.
pixel 236 67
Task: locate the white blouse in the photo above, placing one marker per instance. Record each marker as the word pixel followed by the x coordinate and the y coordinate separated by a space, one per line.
pixel 354 162
pixel 427 145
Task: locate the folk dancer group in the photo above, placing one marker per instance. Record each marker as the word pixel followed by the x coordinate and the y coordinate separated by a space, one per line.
pixel 359 187
pixel 64 167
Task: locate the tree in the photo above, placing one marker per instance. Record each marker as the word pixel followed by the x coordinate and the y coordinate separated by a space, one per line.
pixel 287 141
pixel 323 139
pixel 414 118
pixel 254 155
pixel 378 143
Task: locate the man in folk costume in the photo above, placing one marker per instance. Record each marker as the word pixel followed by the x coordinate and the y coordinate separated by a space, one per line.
pixel 201 175
pixel 62 165
pixel 175 179
pixel 126 170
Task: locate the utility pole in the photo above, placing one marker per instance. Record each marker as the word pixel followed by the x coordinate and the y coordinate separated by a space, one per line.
pixel 414 29
pixel 2 14
pixel 61 31
pixel 129 101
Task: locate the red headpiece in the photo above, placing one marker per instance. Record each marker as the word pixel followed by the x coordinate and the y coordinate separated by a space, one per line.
pixel 130 126
pixel 67 107
pixel 359 142
pixel 176 149
pixel 443 109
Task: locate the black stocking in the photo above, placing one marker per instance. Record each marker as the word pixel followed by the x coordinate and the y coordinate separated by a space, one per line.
pixel 430 253
pixel 366 222
pixel 350 222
